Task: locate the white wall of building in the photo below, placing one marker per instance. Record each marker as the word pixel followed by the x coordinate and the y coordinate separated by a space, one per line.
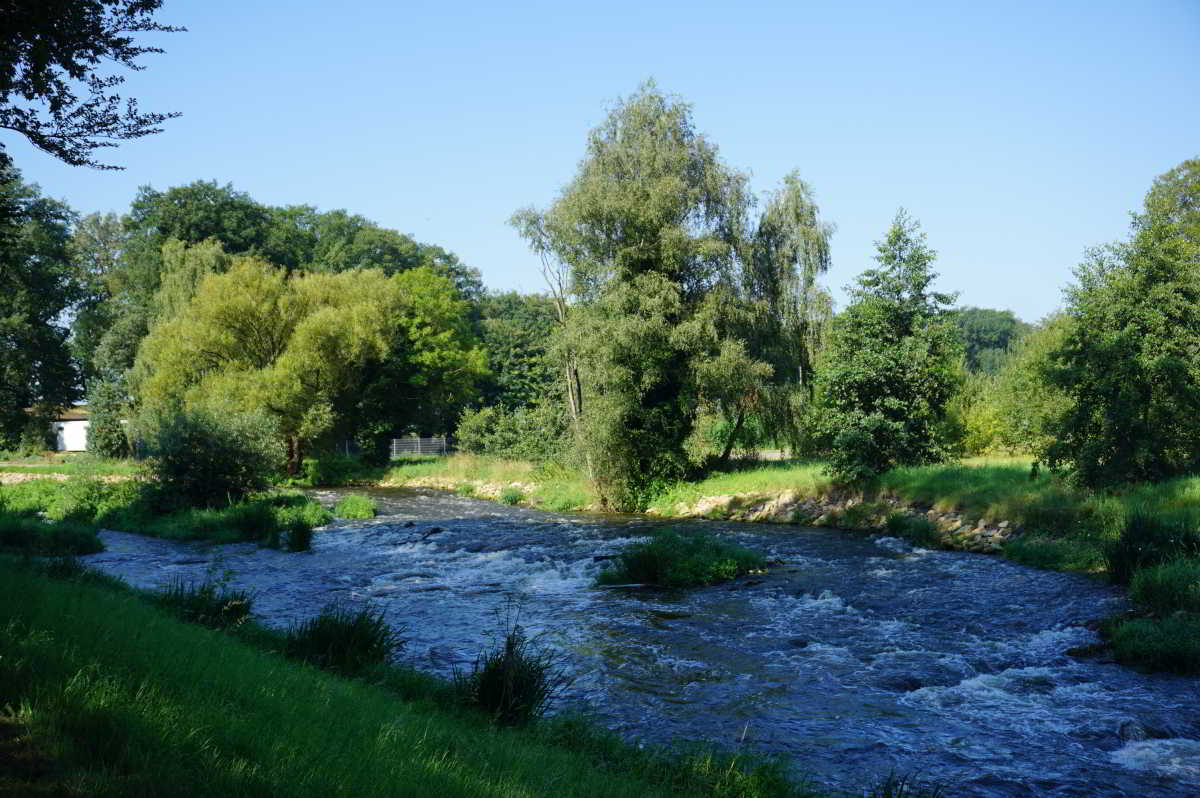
pixel 70 436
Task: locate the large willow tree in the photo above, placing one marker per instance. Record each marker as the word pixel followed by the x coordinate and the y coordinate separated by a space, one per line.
pixel 675 307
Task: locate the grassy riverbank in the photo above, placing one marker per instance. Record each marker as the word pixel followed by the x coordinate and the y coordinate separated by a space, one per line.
pixel 111 696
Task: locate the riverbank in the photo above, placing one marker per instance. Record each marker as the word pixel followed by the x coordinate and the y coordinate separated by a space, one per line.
pixel 116 697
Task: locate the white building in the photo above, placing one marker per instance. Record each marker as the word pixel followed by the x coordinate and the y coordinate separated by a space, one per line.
pixel 70 430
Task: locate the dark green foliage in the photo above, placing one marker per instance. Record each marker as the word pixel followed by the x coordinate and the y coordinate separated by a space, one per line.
pixel 892 364
pixel 53 49
pixel 299 536
pixel 681 558
pixel 355 506
pixel 201 459
pixel 916 530
pixel 1131 361
pixel 107 408
pixel 512 683
pixel 988 335
pixel 1056 553
pixel 1169 644
pixel 511 495
pixel 37 285
pixel 1151 539
pixel 517 330
pixel 342 640
pixel 207 604
pixel 53 539
pixel 1165 588
pixel 329 470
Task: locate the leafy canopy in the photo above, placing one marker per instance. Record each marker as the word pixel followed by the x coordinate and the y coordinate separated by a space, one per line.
pixel 893 363
pixel 51 52
pixel 1130 365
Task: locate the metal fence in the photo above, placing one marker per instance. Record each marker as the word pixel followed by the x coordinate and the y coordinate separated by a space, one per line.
pixel 402 446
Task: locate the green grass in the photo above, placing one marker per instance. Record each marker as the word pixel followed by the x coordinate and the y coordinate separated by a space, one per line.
pixel 355 506
pixel 83 466
pixel 130 701
pixel 1168 587
pixel 806 479
pixel 131 506
pixel 674 558
pixel 511 495
pixel 1171 643
pixel 555 488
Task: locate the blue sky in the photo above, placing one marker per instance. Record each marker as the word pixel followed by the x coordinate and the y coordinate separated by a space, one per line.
pixel 1017 133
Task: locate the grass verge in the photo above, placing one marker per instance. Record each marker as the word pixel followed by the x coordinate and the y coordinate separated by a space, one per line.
pixel 675 558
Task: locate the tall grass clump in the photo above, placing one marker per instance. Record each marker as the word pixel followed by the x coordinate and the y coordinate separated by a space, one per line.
pixel 1152 538
pixel 1168 587
pixel 511 495
pixel 342 641
pixel 1168 644
pixel 355 506
pixel 208 604
pixel 916 530
pixel 678 558
pixel 514 681
pixel 25 535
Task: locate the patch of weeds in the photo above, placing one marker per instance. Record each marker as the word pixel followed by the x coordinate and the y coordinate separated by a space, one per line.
pixel 511 495
pixel 856 516
pixel 1168 587
pixel 49 539
pixel 1170 644
pixel 673 558
pixel 514 681
pixel 915 529
pixel 342 640
pixel 209 604
pixel 1152 538
pixel 1055 554
pixel 299 537
pixel 904 787
pixel 465 489
pixel 355 506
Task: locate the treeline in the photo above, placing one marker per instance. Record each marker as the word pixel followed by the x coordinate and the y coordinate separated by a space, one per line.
pixel 684 323
pixel 324 325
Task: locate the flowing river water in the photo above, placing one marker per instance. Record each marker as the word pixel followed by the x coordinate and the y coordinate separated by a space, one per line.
pixel 854 656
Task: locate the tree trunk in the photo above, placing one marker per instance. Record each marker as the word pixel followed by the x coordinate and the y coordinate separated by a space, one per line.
pixel 737 428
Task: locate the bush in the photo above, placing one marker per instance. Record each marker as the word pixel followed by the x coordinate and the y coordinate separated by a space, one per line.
pixel 31 536
pixel 342 641
pixel 299 537
pixel 681 559
pixel 512 683
pixel 204 460
pixel 78 499
pixel 918 531
pixel 1169 587
pixel 511 495
pixel 207 604
pixel 535 433
pixel 329 470
pixel 1150 539
pixel 290 508
pixel 1171 644
pixel 355 506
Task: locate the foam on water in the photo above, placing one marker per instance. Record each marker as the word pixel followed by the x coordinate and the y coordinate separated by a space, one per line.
pixel 1176 759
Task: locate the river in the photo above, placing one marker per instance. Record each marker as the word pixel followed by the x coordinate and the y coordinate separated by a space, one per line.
pixel 854 656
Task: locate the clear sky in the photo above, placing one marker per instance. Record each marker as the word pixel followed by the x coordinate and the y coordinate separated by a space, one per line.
pixel 1016 133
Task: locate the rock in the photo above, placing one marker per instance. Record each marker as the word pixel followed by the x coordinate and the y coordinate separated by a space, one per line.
pixel 409 524
pixel 1131 731
pixel 798 642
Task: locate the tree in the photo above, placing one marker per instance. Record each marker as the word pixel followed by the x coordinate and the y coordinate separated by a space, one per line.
pixel 988 335
pixel 1130 363
pixel 97 248
pixel 893 363
pixel 516 331
pixel 37 285
pixel 303 348
pixel 663 292
pixel 52 49
pixel 108 415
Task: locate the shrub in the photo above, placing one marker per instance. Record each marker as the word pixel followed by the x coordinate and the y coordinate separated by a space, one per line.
pixel 299 537
pixel 511 495
pixel 681 559
pixel 342 641
pixel 31 536
pixel 1150 539
pixel 292 507
pixel 1168 587
pixel 329 470
pixel 513 682
pixel 355 506
pixel 916 530
pixel 205 460
pixel 78 499
pixel 535 433
pixel 1171 644
pixel 207 604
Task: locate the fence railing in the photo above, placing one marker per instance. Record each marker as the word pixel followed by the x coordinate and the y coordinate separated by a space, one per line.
pixel 402 446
